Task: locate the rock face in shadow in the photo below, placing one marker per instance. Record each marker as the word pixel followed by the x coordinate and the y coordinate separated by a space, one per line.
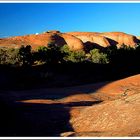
pixel 75 40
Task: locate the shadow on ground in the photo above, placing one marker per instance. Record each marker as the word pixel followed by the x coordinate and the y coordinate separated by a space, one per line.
pixel 34 119
pixel 31 119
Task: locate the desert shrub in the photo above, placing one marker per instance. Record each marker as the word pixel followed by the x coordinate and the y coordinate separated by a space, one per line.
pixel 3 55
pixel 111 50
pixel 126 47
pixel 25 55
pixel 138 47
pixel 52 54
pixel 16 56
pixel 13 56
pixel 40 56
pixel 9 56
pixel 98 57
pixel 124 56
pixel 65 50
pixel 75 56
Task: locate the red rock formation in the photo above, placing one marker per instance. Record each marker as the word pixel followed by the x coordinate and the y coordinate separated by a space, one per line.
pixel 33 40
pixel 94 38
pixel 43 40
pixel 75 40
pixel 108 38
pixel 121 38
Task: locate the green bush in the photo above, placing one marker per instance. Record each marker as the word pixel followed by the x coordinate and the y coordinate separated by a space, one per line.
pixel 65 49
pixel 54 54
pixel 13 56
pixel 98 57
pixel 25 55
pixel 75 56
pixel 9 56
pixel 40 55
pixel 18 57
pixel 50 55
pixel 3 55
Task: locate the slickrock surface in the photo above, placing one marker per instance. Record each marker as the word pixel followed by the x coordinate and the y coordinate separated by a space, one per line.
pixel 110 109
pixel 118 117
pixel 128 86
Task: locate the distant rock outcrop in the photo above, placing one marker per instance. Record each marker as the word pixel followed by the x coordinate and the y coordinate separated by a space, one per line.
pixel 107 38
pixel 121 38
pixel 43 39
pixel 75 40
pixel 93 38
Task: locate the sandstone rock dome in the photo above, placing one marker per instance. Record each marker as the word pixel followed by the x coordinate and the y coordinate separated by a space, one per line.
pixel 94 38
pixel 107 38
pixel 121 38
pixel 75 40
pixel 43 40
